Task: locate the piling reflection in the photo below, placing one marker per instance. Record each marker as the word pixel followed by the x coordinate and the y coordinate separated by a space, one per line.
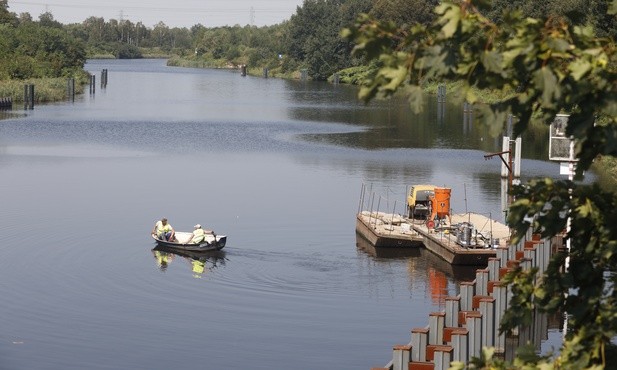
pixel 199 263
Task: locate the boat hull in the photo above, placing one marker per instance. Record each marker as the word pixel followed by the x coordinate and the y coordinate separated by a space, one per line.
pixel 206 246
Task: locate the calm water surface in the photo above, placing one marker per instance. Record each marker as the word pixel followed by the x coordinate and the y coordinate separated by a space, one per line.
pixel 276 165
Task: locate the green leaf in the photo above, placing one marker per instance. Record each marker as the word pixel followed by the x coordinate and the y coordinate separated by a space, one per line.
pixel 450 19
pixel 492 61
pixel 546 81
pixel 416 98
pixel 396 76
pixel 579 68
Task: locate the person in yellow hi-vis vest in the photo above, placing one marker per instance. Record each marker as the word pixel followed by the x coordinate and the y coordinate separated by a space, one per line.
pixel 199 234
pixel 164 231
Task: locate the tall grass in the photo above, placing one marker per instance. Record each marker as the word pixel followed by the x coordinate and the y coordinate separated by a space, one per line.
pixel 45 89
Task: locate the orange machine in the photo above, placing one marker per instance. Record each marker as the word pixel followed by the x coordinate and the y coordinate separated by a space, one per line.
pixel 440 206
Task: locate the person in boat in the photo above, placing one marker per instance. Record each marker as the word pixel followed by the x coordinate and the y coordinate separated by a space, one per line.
pixel 164 231
pixel 199 234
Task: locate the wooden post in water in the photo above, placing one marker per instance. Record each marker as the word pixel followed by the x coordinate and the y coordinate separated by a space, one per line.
pixel 442 357
pixel 441 100
pixel 501 304
pixel 104 78
pixel 467 293
pixel 419 341
pixel 29 96
pixel 92 84
pixel 460 340
pixel 436 323
pixel 303 74
pixel 70 89
pixel 243 70
pixel 401 357
pixel 487 309
pixel 6 103
pixel 26 99
pixel 473 324
pixel 265 72
pixel 453 306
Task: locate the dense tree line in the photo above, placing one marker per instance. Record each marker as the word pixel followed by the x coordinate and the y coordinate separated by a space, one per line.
pixel 36 49
pixel 309 40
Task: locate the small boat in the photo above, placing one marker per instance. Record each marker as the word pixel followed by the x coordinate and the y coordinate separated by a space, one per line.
pixel 211 242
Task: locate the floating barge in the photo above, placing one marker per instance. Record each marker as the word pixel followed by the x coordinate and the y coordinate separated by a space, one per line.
pixel 390 232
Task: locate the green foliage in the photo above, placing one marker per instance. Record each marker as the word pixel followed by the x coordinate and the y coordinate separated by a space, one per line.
pixel 46 89
pixel 314 35
pixel 542 66
pixel 404 12
pixel 125 51
pixel 32 50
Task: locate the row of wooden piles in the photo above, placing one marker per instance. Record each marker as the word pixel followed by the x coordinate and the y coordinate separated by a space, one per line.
pixel 471 320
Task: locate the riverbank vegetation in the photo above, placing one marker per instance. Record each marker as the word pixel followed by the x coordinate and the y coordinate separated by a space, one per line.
pixel 308 42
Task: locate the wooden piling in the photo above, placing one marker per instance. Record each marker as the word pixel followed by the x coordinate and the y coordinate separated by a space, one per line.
pixel 437 321
pixel 401 356
pixel 482 277
pixel 103 78
pixel 28 96
pixel 487 309
pixel 70 89
pixel 473 323
pixel 467 293
pixel 92 84
pixel 442 357
pixel 6 103
pixel 419 341
pixel 453 306
pixel 460 339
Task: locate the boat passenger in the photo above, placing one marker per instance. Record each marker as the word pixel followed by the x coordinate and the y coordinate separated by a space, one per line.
pixel 164 231
pixel 199 234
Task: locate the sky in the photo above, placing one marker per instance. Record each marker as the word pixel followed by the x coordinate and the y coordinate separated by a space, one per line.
pixel 175 13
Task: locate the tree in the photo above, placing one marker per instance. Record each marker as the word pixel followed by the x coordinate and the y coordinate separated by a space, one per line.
pixel 404 12
pixel 6 17
pixel 313 35
pixel 47 20
pixel 548 65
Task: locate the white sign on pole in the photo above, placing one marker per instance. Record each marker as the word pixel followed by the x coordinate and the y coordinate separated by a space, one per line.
pixel 560 146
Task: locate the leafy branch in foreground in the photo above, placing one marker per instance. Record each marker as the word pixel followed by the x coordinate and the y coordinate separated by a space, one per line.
pixel 552 66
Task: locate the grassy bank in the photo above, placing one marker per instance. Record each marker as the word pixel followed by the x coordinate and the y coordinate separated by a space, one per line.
pixel 45 89
pixel 222 63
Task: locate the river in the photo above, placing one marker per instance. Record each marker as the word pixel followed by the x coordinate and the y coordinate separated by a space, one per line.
pixel 276 165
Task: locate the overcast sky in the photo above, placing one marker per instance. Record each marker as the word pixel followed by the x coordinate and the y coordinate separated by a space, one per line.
pixel 174 13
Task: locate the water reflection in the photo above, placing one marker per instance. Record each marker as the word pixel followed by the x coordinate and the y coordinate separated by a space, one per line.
pixel 392 123
pixel 199 263
pixel 440 277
